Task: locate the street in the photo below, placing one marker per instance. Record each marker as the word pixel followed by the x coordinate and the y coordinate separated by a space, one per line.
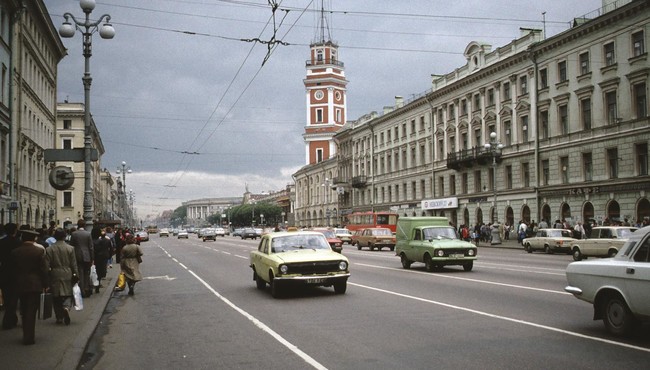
pixel 198 308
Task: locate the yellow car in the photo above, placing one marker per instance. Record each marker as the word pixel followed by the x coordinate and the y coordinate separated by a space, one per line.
pixel 290 258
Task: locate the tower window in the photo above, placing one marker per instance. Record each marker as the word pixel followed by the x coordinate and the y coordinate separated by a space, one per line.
pixel 319 115
pixel 319 155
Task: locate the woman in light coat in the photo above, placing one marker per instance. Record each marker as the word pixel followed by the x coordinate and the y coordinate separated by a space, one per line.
pixel 130 262
pixel 62 268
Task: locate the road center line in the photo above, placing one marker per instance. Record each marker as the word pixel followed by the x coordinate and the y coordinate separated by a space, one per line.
pixel 499 317
pixel 464 279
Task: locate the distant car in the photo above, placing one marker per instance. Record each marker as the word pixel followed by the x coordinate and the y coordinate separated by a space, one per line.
pixel 355 236
pixel 334 242
pixel 290 258
pixel 219 231
pixel 259 232
pixel 344 234
pixel 163 232
pixel 249 233
pixel 208 234
pixel 376 237
pixel 144 236
pixel 174 232
pixel 617 287
pixel 605 241
pixel 237 232
pixel 182 234
pixel 549 241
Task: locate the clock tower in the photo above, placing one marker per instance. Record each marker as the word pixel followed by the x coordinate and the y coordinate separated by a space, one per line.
pixel 325 88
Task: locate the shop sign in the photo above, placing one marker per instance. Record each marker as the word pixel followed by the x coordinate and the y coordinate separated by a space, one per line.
pixel 440 203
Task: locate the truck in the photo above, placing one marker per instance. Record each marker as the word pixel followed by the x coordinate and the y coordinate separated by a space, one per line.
pixel 434 242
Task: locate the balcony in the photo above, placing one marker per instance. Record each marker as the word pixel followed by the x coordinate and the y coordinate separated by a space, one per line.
pixel 339 180
pixel 359 181
pixel 468 158
pixel 324 62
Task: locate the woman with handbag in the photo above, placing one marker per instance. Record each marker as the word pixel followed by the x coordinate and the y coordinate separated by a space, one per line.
pixel 130 259
pixel 102 247
pixel 62 267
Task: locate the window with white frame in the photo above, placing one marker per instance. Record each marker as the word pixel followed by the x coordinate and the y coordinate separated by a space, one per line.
pixel 584 63
pixel 543 78
pixel 319 155
pixel 66 143
pixel 561 71
pixel 638 44
pixel 319 115
pixel 67 199
pixel 610 107
pixel 587 167
pixel 610 54
pixel 523 85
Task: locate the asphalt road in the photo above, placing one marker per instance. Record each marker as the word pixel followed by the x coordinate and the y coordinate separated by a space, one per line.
pixel 198 308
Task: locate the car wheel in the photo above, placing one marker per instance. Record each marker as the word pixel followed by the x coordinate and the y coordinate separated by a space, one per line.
pixel 405 261
pixel 428 263
pixel 618 318
pixel 528 248
pixel 378 248
pixel 371 247
pixel 261 284
pixel 548 250
pixel 612 253
pixel 392 249
pixel 577 255
pixel 275 287
pixel 340 287
pixel 468 266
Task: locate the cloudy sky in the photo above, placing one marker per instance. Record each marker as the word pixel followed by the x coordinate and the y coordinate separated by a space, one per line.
pixel 182 96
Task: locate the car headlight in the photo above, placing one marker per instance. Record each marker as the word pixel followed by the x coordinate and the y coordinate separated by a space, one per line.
pixel 470 252
pixel 284 269
pixel 440 253
pixel 343 265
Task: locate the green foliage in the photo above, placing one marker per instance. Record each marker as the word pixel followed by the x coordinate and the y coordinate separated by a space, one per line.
pixel 242 215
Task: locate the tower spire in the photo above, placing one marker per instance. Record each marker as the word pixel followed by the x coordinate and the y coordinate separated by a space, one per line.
pixel 323 29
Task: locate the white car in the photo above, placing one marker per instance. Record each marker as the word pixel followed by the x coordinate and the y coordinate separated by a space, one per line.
pixel 182 234
pixel 219 231
pixel 617 287
pixel 605 241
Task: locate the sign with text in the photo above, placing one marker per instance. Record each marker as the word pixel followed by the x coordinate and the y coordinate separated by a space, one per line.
pixel 440 203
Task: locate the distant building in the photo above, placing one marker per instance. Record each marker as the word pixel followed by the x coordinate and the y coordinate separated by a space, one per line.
pixel 199 210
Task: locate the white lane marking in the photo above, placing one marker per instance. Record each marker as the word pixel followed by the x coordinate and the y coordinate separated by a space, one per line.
pixel 500 267
pixel 244 257
pixel 518 321
pixel 442 276
pixel 292 347
pixel 228 253
pixel 165 277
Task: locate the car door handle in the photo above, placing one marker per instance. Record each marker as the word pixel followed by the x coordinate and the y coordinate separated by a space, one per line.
pixel 629 270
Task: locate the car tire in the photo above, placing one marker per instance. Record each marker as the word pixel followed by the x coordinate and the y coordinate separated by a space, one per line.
pixel 275 287
pixel 259 282
pixel 468 266
pixel 406 264
pixel 392 249
pixel 577 255
pixel 612 253
pixel 528 248
pixel 340 287
pixel 428 263
pixel 617 317
pixel 548 249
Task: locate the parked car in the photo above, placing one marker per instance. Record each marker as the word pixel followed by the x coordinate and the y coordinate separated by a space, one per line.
pixel 617 287
pixel 144 236
pixel 605 241
pixel 549 241
pixel 376 237
pixel 344 234
pixel 334 242
pixel 219 231
pixel 432 241
pixel 163 232
pixel 237 232
pixel 182 234
pixel 286 258
pixel 175 232
pixel 249 233
pixel 208 234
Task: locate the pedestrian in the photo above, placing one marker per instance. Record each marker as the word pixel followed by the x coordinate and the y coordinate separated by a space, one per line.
pixel 102 250
pixel 30 279
pixel 110 235
pixel 130 262
pixel 8 243
pixel 82 242
pixel 62 268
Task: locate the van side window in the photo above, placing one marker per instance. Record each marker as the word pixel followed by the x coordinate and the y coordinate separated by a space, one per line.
pixel 418 235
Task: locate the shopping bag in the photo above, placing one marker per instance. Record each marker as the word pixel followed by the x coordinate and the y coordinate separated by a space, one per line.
pixel 93 275
pixel 45 308
pixel 78 301
pixel 121 282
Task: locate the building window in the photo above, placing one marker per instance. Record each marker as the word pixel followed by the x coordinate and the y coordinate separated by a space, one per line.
pixel 641 159
pixel 508 177
pixel 610 54
pixel 423 156
pixel 441 185
pixel 397 193
pixel 414 190
pixel 422 124
pixel 67 143
pixel 413 157
pixel 587 167
pixel 612 160
pixel 389 163
pixel 545 172
pixel 388 136
pixel 491 97
pixel 452 185
pixel 413 127
pixel 563 118
pixel 478 187
pixel 543 78
pixel 564 169
pixel 561 71
pixel 319 115
pixel 543 123
pixel 403 130
pixel 464 183
pixel 585 108
pixel 638 44
pixel 640 100
pixel 67 124
pixel 507 129
pixel 338 116
pixel 404 159
pixel 584 63
pixel 319 155
pixel 506 91
pixel 523 85
pixel 524 129
pixel 477 102
pixel 396 133
pixel 67 199
pixel 463 107
pixel 452 112
pixel 525 172
pixel 610 107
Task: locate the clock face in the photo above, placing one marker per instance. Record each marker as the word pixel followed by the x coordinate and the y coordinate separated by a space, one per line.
pixel 338 95
pixel 318 95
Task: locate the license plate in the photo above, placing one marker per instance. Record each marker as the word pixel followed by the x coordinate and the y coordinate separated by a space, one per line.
pixel 315 281
pixel 456 255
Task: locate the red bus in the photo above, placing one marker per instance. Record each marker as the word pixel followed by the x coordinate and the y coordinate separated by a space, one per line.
pixel 362 220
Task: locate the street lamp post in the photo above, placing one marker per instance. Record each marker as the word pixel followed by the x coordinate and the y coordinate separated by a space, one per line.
pixel 253 214
pixel 326 186
pixel 494 147
pixel 87 28
pixel 123 171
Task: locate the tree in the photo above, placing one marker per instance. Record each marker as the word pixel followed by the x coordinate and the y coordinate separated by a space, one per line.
pixel 179 216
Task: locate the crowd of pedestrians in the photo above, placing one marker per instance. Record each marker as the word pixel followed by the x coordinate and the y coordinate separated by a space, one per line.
pixel 53 260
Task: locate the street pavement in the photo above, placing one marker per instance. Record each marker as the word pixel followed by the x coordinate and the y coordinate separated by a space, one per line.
pixel 63 347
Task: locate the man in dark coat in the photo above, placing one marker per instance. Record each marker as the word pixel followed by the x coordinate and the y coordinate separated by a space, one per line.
pixel 62 267
pixel 8 243
pixel 82 242
pixel 30 280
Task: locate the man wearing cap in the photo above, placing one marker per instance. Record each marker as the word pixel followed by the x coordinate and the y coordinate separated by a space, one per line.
pixel 30 280
pixel 82 242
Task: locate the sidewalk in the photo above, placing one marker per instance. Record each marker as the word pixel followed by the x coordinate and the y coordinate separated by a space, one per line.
pixel 57 346
pixel 510 244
